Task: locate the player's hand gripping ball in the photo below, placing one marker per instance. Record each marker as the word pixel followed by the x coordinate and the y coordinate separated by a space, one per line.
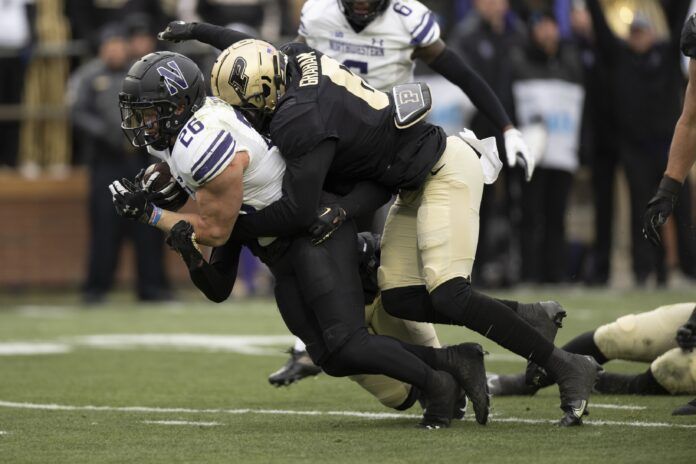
pixel 163 190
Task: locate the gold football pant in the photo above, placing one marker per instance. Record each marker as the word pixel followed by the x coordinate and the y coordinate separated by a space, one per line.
pixel 651 337
pixel 431 234
pixel 390 392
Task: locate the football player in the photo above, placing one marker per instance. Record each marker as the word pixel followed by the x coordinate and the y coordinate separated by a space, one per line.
pixel 682 153
pixel 380 41
pixel 215 154
pixel 328 122
pixel 664 337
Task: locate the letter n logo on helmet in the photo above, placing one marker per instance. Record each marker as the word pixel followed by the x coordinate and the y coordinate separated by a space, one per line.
pixel 238 80
pixel 173 77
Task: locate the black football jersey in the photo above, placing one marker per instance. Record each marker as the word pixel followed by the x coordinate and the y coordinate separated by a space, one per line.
pixel 325 100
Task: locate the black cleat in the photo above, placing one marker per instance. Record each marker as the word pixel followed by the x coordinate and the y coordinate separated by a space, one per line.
pixel 546 317
pixel 509 385
pixel 576 376
pixel 689 409
pixel 439 402
pixel 298 367
pixel 460 406
pixel 465 363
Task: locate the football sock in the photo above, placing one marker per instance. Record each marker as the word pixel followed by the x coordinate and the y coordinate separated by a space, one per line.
pixel 457 301
pixel 585 344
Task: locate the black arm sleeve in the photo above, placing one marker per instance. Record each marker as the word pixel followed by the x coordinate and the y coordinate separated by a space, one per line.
pixel 606 43
pixel 452 67
pixel 295 211
pixel 217 36
pixel 216 279
pixel 365 198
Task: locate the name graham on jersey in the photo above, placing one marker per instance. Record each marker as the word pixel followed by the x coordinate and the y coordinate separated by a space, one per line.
pixel 309 67
pixel 355 49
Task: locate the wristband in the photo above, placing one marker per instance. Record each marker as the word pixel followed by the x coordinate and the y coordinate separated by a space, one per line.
pixel 155 216
pixel 670 186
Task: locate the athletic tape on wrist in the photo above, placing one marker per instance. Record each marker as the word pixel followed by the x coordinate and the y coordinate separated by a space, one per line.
pixel 155 216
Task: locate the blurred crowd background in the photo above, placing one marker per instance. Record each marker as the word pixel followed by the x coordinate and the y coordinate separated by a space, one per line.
pixel 596 87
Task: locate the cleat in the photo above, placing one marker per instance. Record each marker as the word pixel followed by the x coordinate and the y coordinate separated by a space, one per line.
pixel 546 317
pixel 509 385
pixel 689 409
pixel 439 402
pixel 460 406
pixel 576 377
pixel 465 363
pixel 298 367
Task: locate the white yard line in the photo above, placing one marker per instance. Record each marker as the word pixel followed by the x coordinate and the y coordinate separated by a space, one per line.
pixel 179 422
pixel 629 407
pixel 3 432
pixel 364 415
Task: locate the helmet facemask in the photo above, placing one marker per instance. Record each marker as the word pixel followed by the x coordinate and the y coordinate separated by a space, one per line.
pixel 150 123
pixel 366 12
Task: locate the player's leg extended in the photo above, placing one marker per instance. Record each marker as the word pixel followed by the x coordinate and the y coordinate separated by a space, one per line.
pixel 391 392
pixel 331 286
pixel 644 336
pixel 447 238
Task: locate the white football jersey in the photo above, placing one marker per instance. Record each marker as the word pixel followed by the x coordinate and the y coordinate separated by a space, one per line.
pixel 380 53
pixel 208 143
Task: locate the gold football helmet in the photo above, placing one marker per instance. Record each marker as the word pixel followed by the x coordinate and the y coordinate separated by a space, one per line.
pixel 250 74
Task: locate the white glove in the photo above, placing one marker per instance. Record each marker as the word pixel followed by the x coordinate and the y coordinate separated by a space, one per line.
pixel 516 150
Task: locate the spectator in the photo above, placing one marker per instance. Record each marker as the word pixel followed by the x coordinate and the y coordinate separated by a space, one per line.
pixel 485 39
pixel 646 90
pixel 93 94
pixel 15 38
pixel 548 89
pixel 142 39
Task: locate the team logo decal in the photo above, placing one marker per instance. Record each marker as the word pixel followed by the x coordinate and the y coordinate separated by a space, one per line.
pixel 238 80
pixel 173 77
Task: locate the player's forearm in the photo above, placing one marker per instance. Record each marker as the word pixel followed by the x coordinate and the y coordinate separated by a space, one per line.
pixel 454 69
pixel 208 232
pixel 364 199
pixel 682 154
pixel 217 36
pixel 215 285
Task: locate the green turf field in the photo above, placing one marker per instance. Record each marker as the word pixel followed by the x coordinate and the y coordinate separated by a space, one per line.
pixel 187 383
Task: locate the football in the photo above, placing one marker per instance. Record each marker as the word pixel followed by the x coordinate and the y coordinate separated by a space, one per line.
pixel 158 179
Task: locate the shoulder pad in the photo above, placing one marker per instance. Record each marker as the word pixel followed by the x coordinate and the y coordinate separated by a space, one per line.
pixel 688 37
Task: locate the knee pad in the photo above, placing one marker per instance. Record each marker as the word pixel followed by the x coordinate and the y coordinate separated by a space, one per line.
pixel 451 299
pixel 676 371
pixel 390 392
pixel 345 359
pixel 644 336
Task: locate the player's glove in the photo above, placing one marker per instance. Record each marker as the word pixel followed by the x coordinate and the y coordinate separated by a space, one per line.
pixel 177 31
pixel 329 218
pixel 131 202
pixel 517 151
pixel 686 334
pixel 659 208
pixel 182 239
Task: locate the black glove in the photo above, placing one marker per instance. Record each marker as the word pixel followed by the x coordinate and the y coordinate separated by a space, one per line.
pixel 182 239
pixel 368 263
pixel 177 31
pixel 659 208
pixel 131 202
pixel 329 218
pixel 686 334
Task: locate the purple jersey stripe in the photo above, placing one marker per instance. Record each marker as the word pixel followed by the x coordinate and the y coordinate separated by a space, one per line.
pixel 220 163
pixel 207 151
pixel 423 34
pixel 213 159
